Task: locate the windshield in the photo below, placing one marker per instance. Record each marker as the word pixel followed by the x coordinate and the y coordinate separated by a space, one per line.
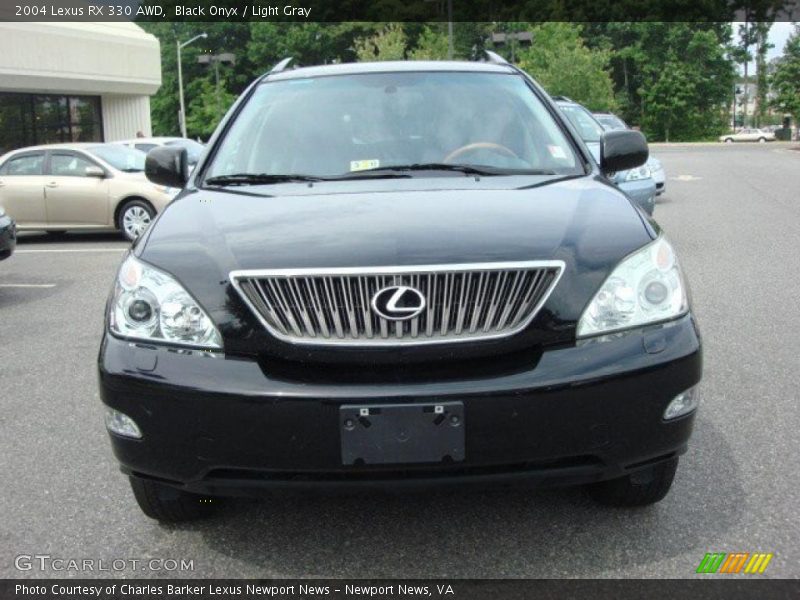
pixel 193 149
pixel 611 122
pixel 120 157
pixel 335 126
pixel 588 127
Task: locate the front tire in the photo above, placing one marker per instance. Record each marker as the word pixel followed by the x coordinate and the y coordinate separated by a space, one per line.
pixel 168 504
pixel 728 140
pixel 637 489
pixel 762 140
pixel 134 218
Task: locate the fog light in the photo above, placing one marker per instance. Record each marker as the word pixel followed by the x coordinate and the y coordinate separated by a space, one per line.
pixel 682 404
pixel 122 424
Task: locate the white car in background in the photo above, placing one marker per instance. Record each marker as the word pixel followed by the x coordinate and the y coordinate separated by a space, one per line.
pixel 82 186
pixel 748 135
pixel 145 144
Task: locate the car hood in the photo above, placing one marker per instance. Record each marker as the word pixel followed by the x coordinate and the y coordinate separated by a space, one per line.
pixel 204 235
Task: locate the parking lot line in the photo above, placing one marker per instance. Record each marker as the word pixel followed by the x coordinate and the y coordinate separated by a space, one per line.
pixel 69 250
pixel 27 285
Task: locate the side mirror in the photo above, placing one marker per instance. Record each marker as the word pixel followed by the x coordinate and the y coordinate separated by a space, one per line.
pixel 95 172
pixel 622 150
pixel 167 166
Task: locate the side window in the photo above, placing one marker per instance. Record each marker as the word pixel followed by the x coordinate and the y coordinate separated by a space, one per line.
pixel 30 164
pixel 68 165
pixel 144 147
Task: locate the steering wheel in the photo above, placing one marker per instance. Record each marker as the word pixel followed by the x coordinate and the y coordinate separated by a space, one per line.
pixel 499 148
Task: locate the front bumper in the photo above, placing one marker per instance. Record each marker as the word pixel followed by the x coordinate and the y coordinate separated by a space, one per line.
pixel 642 192
pixel 580 413
pixel 8 236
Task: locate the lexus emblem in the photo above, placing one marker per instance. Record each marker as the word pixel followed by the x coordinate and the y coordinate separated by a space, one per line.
pixel 398 302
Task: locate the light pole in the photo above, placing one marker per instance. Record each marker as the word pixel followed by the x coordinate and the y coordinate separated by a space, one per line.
pixel 449 29
pixel 225 58
pixel 180 80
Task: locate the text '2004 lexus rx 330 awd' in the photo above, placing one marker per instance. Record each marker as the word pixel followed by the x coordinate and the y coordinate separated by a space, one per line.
pixel 398 274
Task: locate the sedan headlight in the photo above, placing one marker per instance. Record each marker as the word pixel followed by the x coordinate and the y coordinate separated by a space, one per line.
pixel 646 287
pixel 169 191
pixel 642 172
pixel 150 305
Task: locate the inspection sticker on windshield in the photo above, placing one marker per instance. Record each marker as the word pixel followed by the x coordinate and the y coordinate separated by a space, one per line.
pixel 361 165
pixel 556 151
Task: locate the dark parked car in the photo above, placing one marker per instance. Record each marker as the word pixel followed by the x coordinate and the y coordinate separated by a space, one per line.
pixel 8 234
pixel 363 284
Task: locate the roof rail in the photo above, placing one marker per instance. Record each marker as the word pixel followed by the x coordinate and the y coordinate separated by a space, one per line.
pixel 281 66
pixel 495 58
pixel 563 99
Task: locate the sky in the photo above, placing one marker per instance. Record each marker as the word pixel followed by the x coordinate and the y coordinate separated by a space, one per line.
pixel 778 35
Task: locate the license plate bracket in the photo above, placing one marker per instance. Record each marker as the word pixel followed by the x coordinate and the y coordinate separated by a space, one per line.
pixel 431 432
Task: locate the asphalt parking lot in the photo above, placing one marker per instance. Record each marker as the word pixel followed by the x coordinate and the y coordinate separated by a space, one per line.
pixel 733 212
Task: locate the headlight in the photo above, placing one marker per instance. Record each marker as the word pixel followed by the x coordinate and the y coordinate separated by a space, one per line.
pixel 2 212
pixel 150 305
pixel 169 191
pixel 642 172
pixel 646 287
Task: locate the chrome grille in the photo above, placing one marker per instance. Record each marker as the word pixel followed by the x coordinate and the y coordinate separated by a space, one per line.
pixel 333 306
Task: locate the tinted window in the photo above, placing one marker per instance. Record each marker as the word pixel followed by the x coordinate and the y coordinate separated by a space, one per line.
pixel 122 158
pixel 30 119
pixel 144 147
pixel 68 165
pixel 329 126
pixel 30 164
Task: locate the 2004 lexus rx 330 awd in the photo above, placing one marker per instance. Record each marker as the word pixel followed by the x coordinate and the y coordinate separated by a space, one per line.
pixel 398 274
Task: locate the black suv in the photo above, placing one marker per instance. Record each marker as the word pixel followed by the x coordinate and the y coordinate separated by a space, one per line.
pixel 398 274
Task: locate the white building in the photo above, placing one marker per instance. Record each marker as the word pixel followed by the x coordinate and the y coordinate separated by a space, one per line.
pixel 62 82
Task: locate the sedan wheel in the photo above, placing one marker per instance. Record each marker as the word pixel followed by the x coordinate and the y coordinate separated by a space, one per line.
pixel 728 141
pixel 761 140
pixel 135 218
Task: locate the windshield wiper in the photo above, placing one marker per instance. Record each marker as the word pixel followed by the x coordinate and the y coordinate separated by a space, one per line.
pixel 257 178
pixel 466 169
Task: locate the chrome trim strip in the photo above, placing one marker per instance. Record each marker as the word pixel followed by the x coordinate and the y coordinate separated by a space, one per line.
pixel 237 277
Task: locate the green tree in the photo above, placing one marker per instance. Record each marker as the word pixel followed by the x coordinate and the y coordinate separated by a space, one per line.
pixel 207 106
pixel 641 52
pixel 387 44
pixel 431 44
pixel 470 39
pixel 786 79
pixel 668 98
pixel 561 62
pixel 308 43
pixel 222 37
